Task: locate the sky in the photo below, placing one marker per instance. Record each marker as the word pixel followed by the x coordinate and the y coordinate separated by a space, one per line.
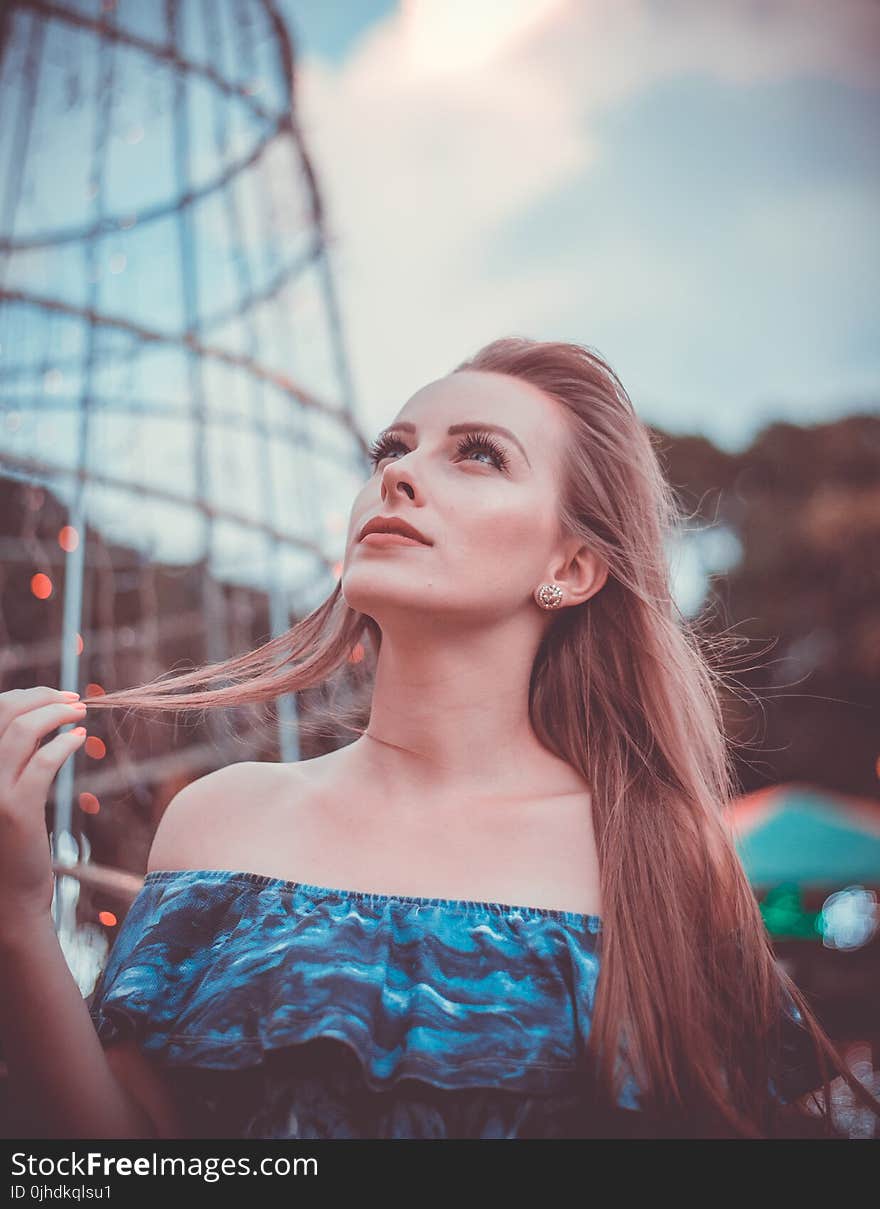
pixel 690 189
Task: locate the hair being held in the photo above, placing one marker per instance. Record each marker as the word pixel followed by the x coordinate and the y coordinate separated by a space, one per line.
pixel 627 691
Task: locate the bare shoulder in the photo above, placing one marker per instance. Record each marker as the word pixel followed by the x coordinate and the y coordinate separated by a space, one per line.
pixel 208 818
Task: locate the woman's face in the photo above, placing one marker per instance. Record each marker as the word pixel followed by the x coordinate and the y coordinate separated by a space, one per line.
pixel 489 512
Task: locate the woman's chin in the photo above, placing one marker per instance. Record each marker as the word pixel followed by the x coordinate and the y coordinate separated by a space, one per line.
pixel 367 593
pixel 380 597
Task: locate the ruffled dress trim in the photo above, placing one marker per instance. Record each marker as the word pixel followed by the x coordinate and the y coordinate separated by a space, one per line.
pixel 216 968
pixel 221 969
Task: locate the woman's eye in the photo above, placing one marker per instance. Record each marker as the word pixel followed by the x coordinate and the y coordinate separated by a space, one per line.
pixel 482 443
pixel 380 449
pixel 486 451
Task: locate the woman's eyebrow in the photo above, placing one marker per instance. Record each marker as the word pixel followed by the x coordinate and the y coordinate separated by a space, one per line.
pixel 468 426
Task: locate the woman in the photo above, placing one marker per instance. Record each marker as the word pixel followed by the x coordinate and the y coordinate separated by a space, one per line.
pixel 334 948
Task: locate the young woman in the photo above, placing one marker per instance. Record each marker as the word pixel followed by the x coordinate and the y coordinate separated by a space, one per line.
pixel 512 906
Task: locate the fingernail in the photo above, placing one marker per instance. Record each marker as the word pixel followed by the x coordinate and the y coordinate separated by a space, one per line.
pixel 78 730
pixel 70 696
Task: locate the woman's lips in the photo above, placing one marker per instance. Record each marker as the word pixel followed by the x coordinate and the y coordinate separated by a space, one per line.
pixel 389 539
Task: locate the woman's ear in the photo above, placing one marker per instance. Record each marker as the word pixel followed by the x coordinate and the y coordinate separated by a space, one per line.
pixel 581 575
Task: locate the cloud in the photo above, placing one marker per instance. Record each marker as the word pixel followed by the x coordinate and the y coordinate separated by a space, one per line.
pixel 452 122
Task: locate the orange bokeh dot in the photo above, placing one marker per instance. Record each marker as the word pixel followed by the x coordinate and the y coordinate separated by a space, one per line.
pixel 95 690
pixel 88 803
pixel 95 747
pixel 357 653
pixel 337 570
pixel 107 918
pixel 41 586
pixel 68 538
pixel 79 644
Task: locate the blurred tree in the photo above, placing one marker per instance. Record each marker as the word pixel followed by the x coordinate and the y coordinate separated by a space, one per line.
pixel 805 505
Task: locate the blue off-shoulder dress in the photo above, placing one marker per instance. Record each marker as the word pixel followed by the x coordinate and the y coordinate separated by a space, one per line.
pixel 279 1009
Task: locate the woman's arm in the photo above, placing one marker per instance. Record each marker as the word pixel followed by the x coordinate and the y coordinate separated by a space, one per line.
pixel 62 1083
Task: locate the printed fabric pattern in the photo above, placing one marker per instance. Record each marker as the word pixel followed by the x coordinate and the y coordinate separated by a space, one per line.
pixel 286 1010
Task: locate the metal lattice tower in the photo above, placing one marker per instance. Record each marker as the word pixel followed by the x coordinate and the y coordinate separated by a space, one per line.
pixel 171 357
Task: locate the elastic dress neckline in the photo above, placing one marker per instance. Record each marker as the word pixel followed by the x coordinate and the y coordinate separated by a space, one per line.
pixel 590 922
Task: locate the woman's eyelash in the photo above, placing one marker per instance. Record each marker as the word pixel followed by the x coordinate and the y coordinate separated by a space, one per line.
pixel 472 441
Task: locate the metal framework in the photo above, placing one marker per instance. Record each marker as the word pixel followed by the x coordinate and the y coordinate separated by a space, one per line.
pixel 167 313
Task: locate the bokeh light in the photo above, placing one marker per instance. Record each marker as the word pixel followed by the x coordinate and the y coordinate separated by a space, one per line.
pixel 41 586
pixel 95 747
pixel 68 538
pixel 88 803
pixel 850 918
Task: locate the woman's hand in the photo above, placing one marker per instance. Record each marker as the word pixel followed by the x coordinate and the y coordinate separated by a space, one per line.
pixel 26 774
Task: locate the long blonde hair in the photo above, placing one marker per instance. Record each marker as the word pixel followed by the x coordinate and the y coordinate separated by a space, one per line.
pixel 626 690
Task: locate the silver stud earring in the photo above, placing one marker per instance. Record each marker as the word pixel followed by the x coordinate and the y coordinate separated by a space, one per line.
pixel 548 596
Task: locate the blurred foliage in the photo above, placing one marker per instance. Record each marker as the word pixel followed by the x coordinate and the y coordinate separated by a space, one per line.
pixel 804 503
pixel 785 914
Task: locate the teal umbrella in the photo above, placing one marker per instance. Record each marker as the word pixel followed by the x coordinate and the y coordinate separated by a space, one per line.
pixel 806 836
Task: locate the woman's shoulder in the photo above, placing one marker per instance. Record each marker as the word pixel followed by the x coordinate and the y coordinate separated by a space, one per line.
pixel 202 824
